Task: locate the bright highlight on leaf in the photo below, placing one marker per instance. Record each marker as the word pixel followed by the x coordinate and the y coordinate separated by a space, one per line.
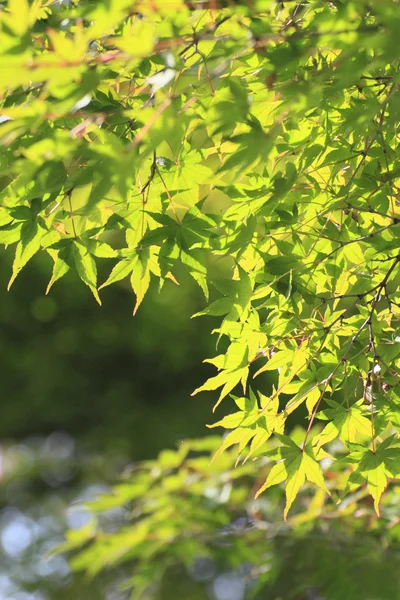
pixel 297 466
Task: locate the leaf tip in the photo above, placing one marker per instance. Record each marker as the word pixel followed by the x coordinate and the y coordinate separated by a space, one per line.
pixel 12 279
pixel 259 491
pixel 97 298
pixel 376 507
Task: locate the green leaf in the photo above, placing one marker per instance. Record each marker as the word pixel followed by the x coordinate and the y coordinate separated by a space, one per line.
pixel 140 281
pixel 298 464
pixel 194 260
pixel 227 380
pixel 10 233
pixel 219 307
pixel 347 423
pixel 121 270
pixel 31 235
pixel 86 267
pixel 61 265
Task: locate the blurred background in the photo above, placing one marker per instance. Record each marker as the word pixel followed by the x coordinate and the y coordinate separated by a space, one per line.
pixel 86 392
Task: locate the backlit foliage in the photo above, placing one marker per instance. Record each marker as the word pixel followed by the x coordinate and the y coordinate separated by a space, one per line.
pixel 254 144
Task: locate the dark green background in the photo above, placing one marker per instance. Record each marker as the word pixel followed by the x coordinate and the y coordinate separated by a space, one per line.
pixel 115 382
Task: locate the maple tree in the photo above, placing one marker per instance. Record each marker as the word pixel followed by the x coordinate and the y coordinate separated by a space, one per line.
pixel 253 144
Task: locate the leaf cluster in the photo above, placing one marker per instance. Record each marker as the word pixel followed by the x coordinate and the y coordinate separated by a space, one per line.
pixel 255 147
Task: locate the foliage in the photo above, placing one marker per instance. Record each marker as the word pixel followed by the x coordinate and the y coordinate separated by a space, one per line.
pixel 179 510
pixel 254 146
